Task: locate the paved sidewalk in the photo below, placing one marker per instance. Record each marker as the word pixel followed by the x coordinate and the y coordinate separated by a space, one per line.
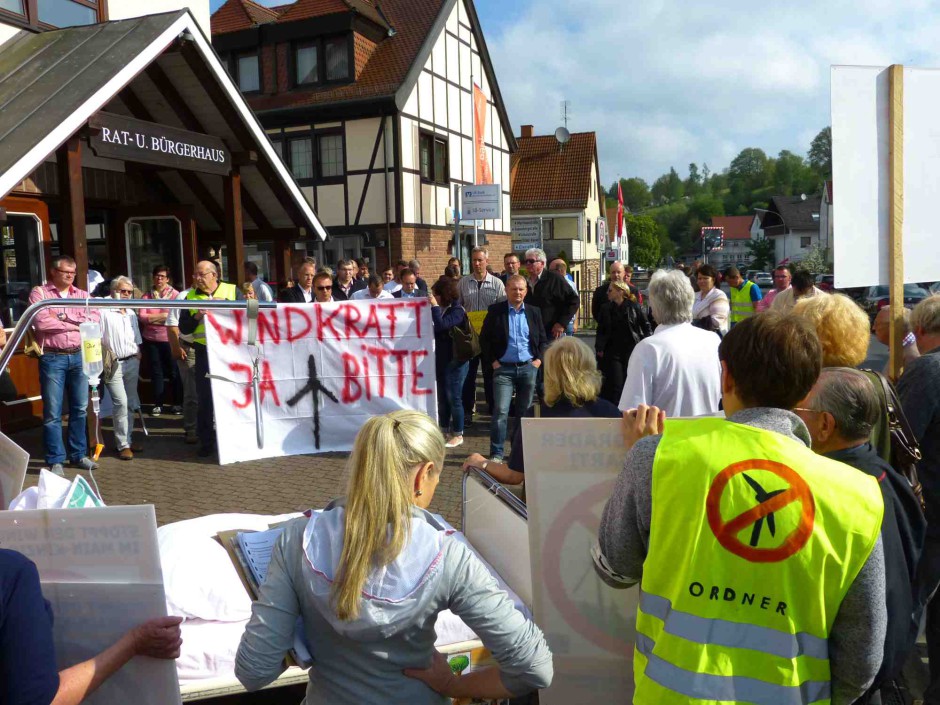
pixel 181 485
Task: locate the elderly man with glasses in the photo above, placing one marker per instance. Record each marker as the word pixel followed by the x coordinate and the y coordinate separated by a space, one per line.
pixel 60 367
pixel 551 293
pixel 120 334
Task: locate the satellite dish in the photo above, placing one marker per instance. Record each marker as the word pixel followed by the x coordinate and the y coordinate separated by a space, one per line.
pixel 802 196
pixel 562 135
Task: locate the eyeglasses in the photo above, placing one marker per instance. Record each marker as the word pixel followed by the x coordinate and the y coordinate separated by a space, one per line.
pixel 324 288
pixel 532 261
pixel 812 411
pixel 66 272
pixel 126 292
pixel 781 276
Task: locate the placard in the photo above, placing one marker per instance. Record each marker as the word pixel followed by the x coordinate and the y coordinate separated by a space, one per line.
pixel 324 369
pixel 571 465
pixel 13 463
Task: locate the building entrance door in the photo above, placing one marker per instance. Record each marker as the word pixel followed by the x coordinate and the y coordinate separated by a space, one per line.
pixel 157 238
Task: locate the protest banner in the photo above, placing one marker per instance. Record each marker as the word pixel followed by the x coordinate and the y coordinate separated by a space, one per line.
pixel 100 571
pixel 324 369
pixel 571 465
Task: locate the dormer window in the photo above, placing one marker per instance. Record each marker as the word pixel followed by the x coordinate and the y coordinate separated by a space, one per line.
pixel 247 73
pixel 326 60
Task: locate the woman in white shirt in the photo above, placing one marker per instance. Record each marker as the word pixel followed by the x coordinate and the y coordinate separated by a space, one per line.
pixel 120 333
pixel 711 307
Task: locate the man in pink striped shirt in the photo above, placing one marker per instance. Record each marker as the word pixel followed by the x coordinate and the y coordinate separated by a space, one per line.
pixel 60 367
pixel 781 283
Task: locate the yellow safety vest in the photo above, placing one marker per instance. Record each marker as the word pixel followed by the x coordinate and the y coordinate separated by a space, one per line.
pixel 741 305
pixel 754 542
pixel 224 291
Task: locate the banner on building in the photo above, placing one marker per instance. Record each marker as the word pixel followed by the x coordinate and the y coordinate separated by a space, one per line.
pixel 483 174
pixel 324 369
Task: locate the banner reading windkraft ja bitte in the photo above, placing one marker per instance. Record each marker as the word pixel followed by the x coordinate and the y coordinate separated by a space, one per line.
pixel 324 369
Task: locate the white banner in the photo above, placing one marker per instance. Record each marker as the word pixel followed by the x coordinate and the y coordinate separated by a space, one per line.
pixel 571 466
pixel 324 368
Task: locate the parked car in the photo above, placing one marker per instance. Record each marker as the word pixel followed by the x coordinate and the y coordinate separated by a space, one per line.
pixel 764 279
pixel 934 288
pixel 876 298
pixel 826 282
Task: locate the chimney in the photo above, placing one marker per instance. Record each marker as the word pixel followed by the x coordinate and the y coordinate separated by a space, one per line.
pixel 527 130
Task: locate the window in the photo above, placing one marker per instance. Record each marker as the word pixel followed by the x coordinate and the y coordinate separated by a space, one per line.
pixel 330 155
pixel 301 158
pixel 336 50
pixel 21 264
pixel 433 158
pixel 278 147
pixel 307 69
pixel 805 242
pixel 589 225
pixel 548 228
pixel 247 73
pixel 53 13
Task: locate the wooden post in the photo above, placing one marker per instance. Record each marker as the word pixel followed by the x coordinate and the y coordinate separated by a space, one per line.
pixel 896 217
pixel 72 238
pixel 282 260
pixel 234 234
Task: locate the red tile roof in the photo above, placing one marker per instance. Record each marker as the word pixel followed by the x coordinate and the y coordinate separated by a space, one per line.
pixel 236 15
pixel 304 9
pixel 546 176
pixel 737 227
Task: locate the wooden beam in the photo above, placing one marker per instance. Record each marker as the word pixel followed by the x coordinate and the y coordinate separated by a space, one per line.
pixel 282 256
pixel 242 133
pixel 72 238
pixel 192 181
pixel 896 218
pixel 234 237
pixel 192 123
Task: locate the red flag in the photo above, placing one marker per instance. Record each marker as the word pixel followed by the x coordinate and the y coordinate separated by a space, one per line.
pixel 482 172
pixel 619 211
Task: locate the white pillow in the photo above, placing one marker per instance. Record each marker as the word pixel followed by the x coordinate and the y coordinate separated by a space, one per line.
pixel 198 575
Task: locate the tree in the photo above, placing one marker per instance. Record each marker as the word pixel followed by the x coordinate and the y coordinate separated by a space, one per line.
pixel 748 170
pixel 790 174
pixel 762 253
pixel 694 183
pixel 643 239
pixel 815 261
pixel 636 193
pixel 820 153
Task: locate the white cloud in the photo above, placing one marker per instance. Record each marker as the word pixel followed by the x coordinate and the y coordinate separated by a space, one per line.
pixel 665 83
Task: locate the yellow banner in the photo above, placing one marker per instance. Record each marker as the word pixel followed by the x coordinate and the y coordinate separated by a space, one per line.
pixel 476 320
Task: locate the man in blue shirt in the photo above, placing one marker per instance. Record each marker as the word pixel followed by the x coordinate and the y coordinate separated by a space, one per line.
pixel 409 286
pixel 512 342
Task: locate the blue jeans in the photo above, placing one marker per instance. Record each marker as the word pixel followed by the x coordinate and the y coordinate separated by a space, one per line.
pixel 507 379
pixel 58 374
pixel 451 411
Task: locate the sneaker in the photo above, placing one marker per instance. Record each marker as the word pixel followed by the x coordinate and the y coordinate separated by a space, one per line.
pixel 57 469
pixel 85 464
pixel 192 438
pixel 454 441
pixel 496 459
pixel 126 454
pixel 157 410
pixel 178 410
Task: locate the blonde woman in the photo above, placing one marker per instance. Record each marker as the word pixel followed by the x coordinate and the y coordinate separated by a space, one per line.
pixel 572 388
pixel 368 577
pixel 842 327
pixel 621 324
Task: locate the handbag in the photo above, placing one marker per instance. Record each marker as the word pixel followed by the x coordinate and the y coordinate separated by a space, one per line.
pixel 465 340
pixel 892 437
pixel 31 346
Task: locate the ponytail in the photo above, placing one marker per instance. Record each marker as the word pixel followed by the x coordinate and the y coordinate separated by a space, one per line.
pixel 380 498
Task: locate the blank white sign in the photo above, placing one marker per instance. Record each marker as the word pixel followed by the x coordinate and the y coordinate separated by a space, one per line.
pixel 861 180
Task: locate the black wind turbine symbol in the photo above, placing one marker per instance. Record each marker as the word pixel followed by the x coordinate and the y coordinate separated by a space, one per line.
pixel 762 496
pixel 314 386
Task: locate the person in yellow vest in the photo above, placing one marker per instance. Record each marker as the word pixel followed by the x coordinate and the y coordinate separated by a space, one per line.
pixel 206 285
pixel 760 564
pixel 744 296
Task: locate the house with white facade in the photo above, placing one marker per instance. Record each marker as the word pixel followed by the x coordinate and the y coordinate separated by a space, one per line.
pixel 794 224
pixel 371 106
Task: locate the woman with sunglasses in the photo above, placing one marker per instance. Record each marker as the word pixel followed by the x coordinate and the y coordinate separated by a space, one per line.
pixel 120 336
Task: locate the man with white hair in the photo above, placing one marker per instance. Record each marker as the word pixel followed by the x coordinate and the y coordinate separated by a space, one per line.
pixel 677 368
pixel 840 413
pixel 120 333
pixel 551 293
pixel 919 390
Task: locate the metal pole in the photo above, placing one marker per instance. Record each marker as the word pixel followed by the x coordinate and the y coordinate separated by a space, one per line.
pixel 457 221
pixel 541 236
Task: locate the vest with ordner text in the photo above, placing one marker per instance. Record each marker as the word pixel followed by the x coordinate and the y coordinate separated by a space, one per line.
pixel 754 542
pixel 224 291
pixel 741 305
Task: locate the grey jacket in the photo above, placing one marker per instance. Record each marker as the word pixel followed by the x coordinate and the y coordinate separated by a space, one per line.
pixel 856 643
pixel 361 661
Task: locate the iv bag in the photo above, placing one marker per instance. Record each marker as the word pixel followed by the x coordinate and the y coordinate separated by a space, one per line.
pixel 92 361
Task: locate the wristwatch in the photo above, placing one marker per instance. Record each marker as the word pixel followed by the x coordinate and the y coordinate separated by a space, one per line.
pixel 485 463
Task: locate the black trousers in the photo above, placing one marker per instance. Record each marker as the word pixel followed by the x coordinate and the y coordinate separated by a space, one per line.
pixel 928 577
pixel 206 414
pixel 470 386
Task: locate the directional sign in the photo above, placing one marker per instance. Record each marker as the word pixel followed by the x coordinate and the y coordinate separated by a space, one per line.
pixel 526 228
pixel 481 202
pixel 601 234
pixel 523 246
pixel 611 255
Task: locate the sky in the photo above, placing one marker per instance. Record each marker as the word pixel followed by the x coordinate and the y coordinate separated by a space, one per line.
pixel 665 83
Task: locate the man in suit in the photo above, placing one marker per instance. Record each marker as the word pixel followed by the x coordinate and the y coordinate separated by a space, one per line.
pixel 551 294
pixel 409 286
pixel 618 273
pixel 323 288
pixel 511 266
pixel 346 283
pixel 512 343
pixel 415 266
pixel 302 291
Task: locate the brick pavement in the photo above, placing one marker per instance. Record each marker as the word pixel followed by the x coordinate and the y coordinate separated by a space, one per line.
pixel 181 485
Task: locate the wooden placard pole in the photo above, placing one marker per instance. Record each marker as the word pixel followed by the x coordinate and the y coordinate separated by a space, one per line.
pixel 896 219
